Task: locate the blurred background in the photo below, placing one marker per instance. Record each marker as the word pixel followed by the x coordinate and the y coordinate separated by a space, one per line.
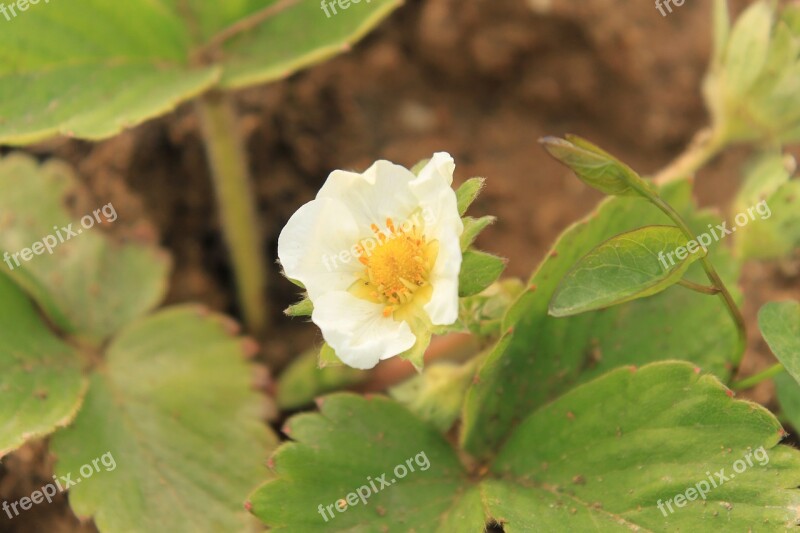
pixel 480 79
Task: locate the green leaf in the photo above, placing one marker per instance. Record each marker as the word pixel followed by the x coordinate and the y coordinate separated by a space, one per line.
pixel 303 381
pixel 472 228
pixel 636 264
pixel 468 192
pixel 41 383
pixel 722 31
pixel 545 356
pixel 109 282
pixel 748 47
pixel 174 407
pixel 788 392
pixel 771 196
pixel 780 324
pixel 302 308
pixel 283 44
pixel 478 271
pixel 482 314
pixel 597 459
pixel 327 357
pixel 595 167
pixel 753 91
pixel 601 457
pixel 337 452
pixel 135 60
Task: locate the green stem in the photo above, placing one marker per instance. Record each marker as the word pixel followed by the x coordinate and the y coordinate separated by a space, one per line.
pixel 232 183
pixel 705 145
pixel 754 380
pixel 716 281
pixel 698 288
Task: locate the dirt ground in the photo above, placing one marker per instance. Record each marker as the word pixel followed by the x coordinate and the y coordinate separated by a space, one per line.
pixel 481 79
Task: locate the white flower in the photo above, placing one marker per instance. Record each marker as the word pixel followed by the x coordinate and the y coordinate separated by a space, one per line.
pixel 379 255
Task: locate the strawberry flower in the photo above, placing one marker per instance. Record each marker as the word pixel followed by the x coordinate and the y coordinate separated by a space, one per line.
pixel 379 255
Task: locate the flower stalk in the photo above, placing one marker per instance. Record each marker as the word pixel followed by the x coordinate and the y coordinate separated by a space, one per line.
pixel 232 183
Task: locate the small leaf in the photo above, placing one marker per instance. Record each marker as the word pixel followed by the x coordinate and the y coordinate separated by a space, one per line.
pixel 327 357
pixel 595 167
pixel 174 407
pixel 468 192
pixel 302 308
pixel 780 325
pixel 748 47
pixel 632 265
pixel 478 271
pixel 41 382
pixel 472 228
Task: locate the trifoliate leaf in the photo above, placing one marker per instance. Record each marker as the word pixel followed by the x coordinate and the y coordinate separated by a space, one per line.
pixel 135 60
pixel 545 356
pixel 601 458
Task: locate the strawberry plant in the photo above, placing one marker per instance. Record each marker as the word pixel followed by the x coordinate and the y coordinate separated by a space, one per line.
pixel 598 394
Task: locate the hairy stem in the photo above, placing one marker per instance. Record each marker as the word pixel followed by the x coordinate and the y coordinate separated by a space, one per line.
pixel 754 380
pixel 711 272
pixel 231 177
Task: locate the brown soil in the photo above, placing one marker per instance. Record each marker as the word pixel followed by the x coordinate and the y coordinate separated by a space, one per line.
pixel 481 79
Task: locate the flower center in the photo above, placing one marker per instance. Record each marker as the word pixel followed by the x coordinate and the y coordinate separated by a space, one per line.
pixel 398 262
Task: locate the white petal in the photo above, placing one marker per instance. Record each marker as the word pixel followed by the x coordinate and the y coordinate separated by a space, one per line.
pixel 443 305
pixel 438 170
pixel 434 192
pixel 357 330
pixel 381 192
pixel 316 247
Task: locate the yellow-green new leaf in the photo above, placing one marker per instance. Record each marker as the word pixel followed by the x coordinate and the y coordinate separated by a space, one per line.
pixel 596 167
